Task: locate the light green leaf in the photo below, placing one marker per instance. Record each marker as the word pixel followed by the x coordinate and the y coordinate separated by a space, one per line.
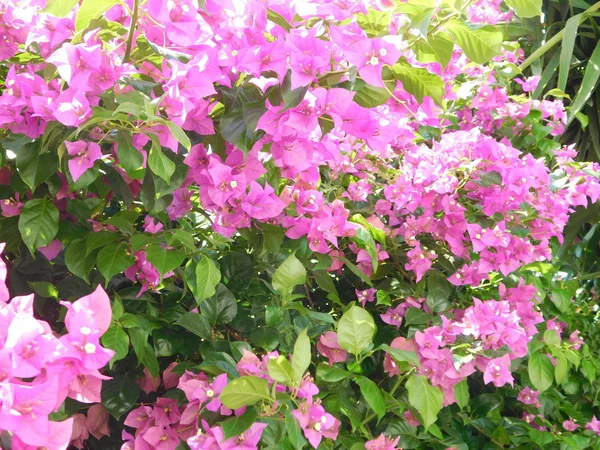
pixel 159 163
pixel 479 44
pixel 552 338
pixel 425 398
pixel 245 391
pixel 114 259
pixel 356 329
pixel 129 157
pixel 526 8
pixel 419 82
pixel 301 357
pixel 399 355
pixel 116 339
pixel 436 49
pixel 90 10
pixel 588 84
pixel 566 51
pixel 461 394
pixel 281 370
pixel 369 96
pixel 179 134
pixel 289 274
pixel 208 277
pixel 38 223
pixel 541 371
pixel 561 370
pixel 372 395
pixel 164 259
pixel 59 8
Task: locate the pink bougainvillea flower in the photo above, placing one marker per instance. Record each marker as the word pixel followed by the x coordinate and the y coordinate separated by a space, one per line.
pixel 328 346
pixel 382 443
pixel 316 423
pixel 593 425
pixel 83 155
pixel 51 250
pixel 96 421
pixel 497 371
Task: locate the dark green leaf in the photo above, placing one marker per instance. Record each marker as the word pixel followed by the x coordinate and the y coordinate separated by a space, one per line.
pixel 119 394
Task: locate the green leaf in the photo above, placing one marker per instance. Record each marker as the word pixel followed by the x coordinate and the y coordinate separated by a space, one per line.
pixel 158 162
pixel 114 259
pixel 119 394
pixel 372 395
pixel 301 357
pixel 356 329
pixel 588 84
pixel 221 307
pixel 265 337
pixel 44 289
pixel 99 239
pixel 281 370
pixel 291 97
pixel 38 223
pixel 461 394
pixel 552 338
pixel 492 178
pixel 399 355
pixel 195 323
pixel 169 53
pixel 294 432
pixel 331 374
pixel 179 134
pixel 78 264
pixel 289 274
pixel 566 51
pixel 436 49
pixel 33 166
pixel 541 371
pixel 116 339
pixel 164 259
pixel 479 44
pixel 59 8
pixel 561 370
pixel 425 398
pixel 419 82
pixel 369 96
pixel 438 291
pixel 91 9
pixel 277 18
pixel 129 157
pixel 374 23
pixel 245 391
pixel 239 124
pixel 144 351
pixel 207 277
pixel 237 425
pixel 526 8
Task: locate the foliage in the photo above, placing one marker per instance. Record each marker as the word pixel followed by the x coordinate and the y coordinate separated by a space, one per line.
pixel 284 225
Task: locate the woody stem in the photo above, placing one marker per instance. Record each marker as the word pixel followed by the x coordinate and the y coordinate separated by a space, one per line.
pixel 134 18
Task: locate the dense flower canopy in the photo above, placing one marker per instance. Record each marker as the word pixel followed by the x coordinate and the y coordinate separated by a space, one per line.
pixel 202 192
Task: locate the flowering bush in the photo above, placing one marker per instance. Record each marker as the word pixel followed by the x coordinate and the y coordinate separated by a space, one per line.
pixel 244 224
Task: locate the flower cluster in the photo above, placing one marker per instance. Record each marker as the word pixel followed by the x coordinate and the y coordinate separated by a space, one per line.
pixel 39 369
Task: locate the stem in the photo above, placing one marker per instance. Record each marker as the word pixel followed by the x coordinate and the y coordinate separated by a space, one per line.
pixel 556 39
pixel 134 18
pixel 589 276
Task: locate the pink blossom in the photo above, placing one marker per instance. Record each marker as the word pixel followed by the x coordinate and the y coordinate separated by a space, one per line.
pixel 382 443
pixel 83 155
pixel 328 346
pixel 497 371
